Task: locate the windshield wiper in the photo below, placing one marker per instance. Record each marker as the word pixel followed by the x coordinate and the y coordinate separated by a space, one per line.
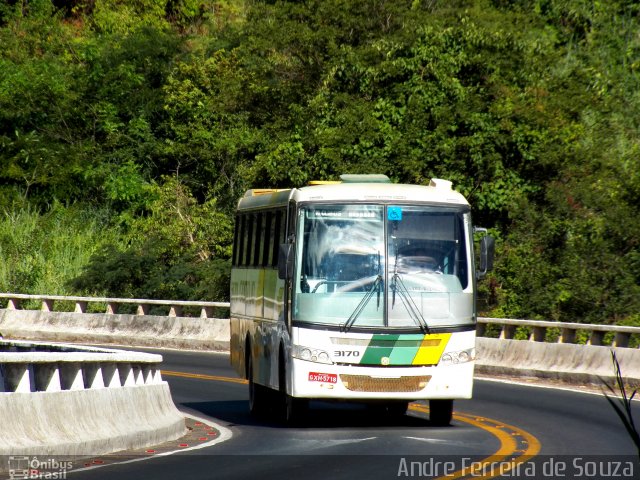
pixel 365 300
pixel 363 303
pixel 398 285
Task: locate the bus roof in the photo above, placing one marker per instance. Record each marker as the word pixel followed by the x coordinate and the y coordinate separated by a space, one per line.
pixel 438 191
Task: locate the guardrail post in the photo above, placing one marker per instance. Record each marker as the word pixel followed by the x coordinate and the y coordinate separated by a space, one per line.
pixel 81 307
pixel 206 312
pixel 127 378
pixel 175 311
pixel 143 309
pixel 596 337
pixel 621 340
pixel 47 305
pixel 147 374
pixel 138 374
pixel 110 375
pixel 47 378
pixel 538 334
pixel 112 308
pixel 71 376
pixel 13 304
pixel 567 335
pixel 507 332
pixel 93 376
pixel 19 378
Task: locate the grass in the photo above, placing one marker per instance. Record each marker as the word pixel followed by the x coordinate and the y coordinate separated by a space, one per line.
pixel 41 252
pixel 620 399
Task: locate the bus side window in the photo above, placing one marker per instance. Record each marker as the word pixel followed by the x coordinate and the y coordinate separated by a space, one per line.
pixel 241 240
pixel 259 231
pixel 267 238
pixel 236 235
pixel 248 239
pixel 278 237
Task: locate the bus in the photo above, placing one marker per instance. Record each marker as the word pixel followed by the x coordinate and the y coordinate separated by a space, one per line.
pixel 358 290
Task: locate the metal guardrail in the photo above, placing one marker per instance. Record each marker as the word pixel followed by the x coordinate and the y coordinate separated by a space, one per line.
pixel 568 332
pixel 42 367
pixel 175 306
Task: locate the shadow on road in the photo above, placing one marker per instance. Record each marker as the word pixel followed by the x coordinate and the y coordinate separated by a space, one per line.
pixel 319 415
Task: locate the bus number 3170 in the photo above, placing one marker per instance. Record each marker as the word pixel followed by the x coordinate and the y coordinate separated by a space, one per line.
pixel 346 353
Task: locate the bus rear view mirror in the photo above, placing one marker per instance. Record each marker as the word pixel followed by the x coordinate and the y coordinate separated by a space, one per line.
pixel 487 251
pixel 285 261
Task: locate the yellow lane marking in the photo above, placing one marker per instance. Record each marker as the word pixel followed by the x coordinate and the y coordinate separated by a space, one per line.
pixel 201 376
pixel 516 445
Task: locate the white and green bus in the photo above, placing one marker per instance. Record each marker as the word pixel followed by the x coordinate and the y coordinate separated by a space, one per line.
pixel 357 290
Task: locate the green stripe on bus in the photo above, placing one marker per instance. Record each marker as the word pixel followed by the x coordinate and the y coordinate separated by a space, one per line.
pixel 405 350
pixel 379 347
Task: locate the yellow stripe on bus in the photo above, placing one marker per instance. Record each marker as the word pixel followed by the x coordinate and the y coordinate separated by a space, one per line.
pixel 431 349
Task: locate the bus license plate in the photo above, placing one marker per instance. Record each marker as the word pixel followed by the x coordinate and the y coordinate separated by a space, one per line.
pixel 323 377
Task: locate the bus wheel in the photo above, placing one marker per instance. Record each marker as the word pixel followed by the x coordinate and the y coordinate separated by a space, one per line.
pixel 257 393
pixel 440 412
pixel 294 409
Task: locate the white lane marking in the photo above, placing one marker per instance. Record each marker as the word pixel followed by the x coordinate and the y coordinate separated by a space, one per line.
pixel 308 445
pixel 437 441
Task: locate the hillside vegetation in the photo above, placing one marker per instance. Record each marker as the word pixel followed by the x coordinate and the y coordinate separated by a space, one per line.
pixel 129 129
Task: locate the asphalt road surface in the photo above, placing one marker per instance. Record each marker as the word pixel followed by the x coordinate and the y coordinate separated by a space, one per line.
pixel 505 431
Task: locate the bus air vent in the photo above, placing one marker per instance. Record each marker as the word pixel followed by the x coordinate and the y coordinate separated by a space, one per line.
pixel 371 178
pixel 365 383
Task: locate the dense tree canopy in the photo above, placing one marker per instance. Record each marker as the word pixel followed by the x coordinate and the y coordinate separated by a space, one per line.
pixel 148 119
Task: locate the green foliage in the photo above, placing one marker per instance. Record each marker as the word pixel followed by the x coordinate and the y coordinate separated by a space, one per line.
pixel 178 251
pixel 157 115
pixel 40 251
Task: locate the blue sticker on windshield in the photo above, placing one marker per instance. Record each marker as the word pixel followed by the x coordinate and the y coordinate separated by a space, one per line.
pixel 394 213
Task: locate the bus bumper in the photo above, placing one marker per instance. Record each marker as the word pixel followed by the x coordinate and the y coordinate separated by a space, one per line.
pixel 317 380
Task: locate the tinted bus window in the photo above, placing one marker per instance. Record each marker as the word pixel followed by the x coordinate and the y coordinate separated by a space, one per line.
pixel 277 237
pixel 248 240
pixel 267 239
pixel 257 239
pixel 236 235
pixel 241 239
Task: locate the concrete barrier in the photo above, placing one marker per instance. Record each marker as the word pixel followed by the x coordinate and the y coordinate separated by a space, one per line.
pixel 70 400
pixel 569 363
pixel 103 328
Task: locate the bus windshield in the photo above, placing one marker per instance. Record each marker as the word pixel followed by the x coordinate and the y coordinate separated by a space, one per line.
pixel 382 266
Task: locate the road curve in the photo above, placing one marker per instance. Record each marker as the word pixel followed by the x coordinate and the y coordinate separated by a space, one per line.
pixel 506 429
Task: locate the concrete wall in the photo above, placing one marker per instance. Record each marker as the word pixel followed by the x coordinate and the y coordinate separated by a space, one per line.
pixel 61 399
pixel 135 330
pixel 88 422
pixel 577 364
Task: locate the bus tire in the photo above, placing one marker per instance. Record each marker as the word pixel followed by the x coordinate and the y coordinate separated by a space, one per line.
pixel 440 412
pixel 292 409
pixel 257 393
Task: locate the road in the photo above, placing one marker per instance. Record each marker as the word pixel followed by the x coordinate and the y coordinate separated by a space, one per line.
pixel 529 431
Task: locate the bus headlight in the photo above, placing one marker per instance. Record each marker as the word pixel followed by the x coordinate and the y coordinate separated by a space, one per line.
pixel 462 356
pixel 310 354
